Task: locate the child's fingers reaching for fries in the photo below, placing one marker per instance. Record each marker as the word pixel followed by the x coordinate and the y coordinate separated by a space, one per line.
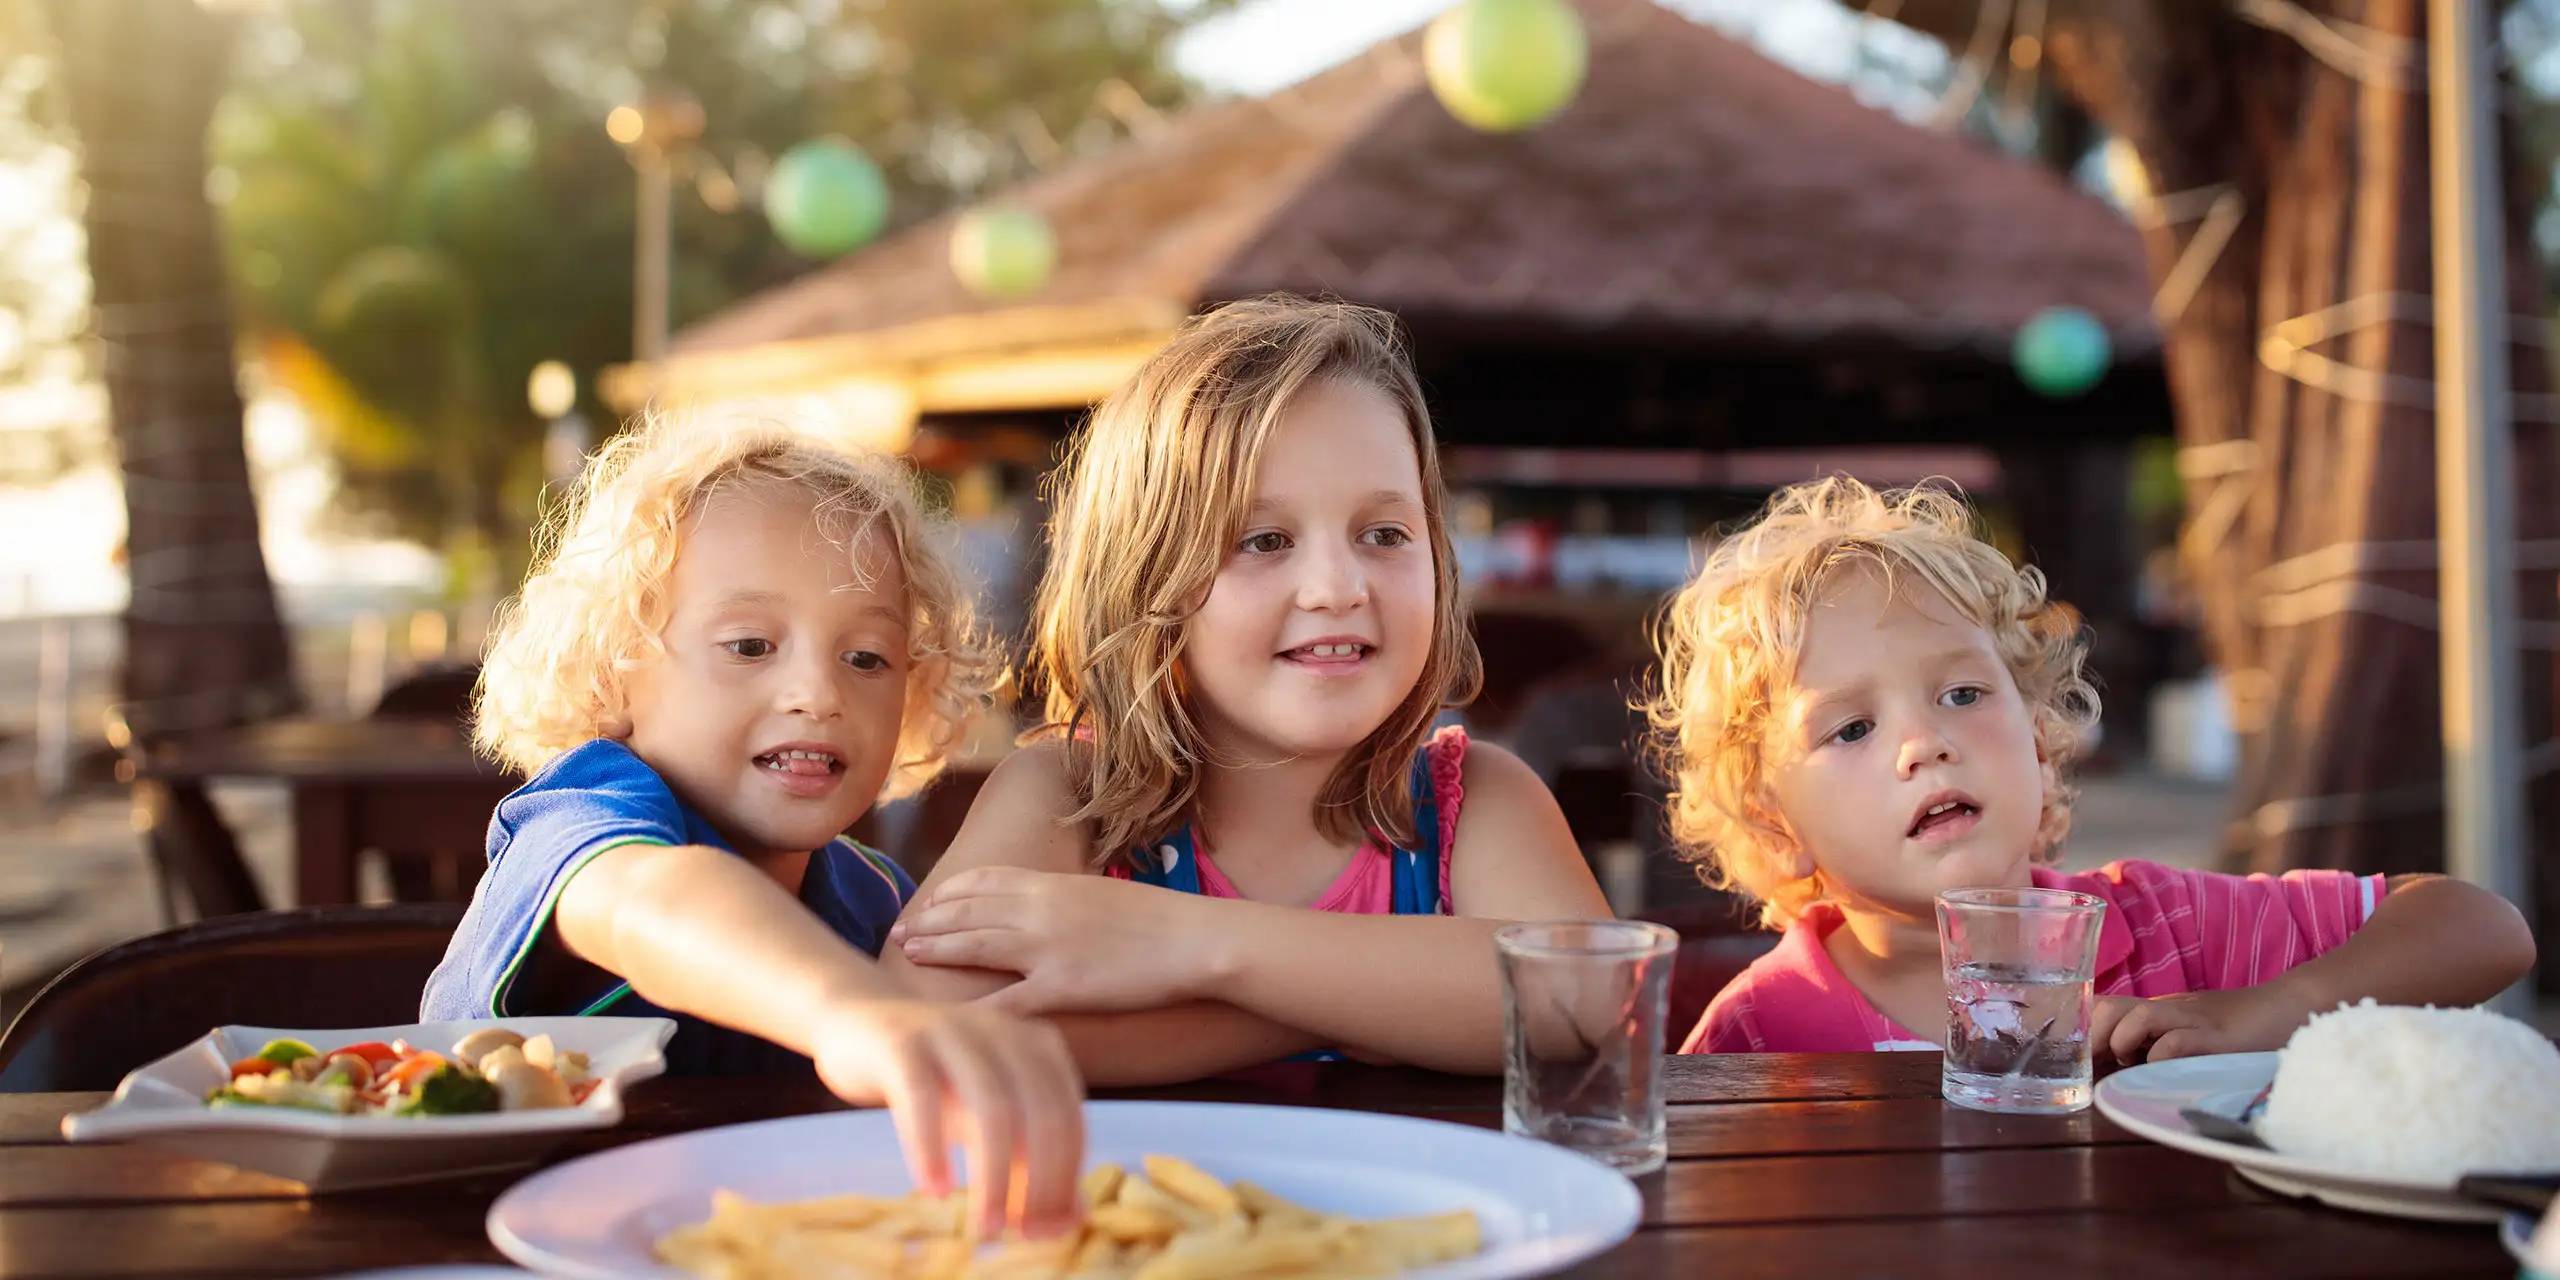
pixel 1171 1220
pixel 1004 1086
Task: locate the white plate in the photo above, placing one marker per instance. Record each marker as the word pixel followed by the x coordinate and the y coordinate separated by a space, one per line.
pixel 2146 1099
pixel 163 1105
pixel 1541 1207
pixel 458 1272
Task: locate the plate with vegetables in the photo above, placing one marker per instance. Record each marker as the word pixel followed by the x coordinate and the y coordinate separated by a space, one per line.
pixel 377 1106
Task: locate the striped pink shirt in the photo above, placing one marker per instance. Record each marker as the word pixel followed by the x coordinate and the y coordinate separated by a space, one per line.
pixel 2166 931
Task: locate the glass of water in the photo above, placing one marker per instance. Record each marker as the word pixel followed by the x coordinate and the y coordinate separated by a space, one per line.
pixel 2018 963
pixel 1583 1006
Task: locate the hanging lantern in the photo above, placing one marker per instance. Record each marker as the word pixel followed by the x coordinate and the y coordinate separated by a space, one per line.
pixel 1003 251
pixel 552 389
pixel 2062 352
pixel 825 198
pixel 1504 65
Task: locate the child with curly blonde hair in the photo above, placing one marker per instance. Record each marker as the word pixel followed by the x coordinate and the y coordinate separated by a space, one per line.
pixel 1863 704
pixel 734 640
pixel 1242 837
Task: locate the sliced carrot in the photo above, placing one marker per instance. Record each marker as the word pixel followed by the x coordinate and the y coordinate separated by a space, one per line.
pixel 253 1067
pixel 578 1092
pixel 416 1067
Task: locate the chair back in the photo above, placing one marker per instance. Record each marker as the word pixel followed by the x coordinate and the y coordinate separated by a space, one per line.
pixel 337 966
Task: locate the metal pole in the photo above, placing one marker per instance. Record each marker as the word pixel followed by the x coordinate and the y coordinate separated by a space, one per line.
pixel 55 673
pixel 649 304
pixel 2475 469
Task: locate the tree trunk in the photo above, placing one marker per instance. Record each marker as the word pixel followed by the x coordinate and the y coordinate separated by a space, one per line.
pixel 205 644
pixel 2311 489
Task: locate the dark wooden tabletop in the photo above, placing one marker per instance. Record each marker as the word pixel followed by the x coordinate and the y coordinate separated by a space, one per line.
pixel 1781 1165
pixel 324 751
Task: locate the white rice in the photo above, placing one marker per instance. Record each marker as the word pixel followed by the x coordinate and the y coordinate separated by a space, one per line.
pixel 2417 1095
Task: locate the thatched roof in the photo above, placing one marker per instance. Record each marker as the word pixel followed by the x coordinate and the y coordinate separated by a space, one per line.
pixel 1695 190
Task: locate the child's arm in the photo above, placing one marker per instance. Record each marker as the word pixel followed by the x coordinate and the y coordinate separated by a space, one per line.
pixel 2431 940
pixel 706 933
pixel 1014 823
pixel 1420 989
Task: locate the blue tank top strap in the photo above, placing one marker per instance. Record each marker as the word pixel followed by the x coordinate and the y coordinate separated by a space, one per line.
pixel 1416 870
pixel 1171 864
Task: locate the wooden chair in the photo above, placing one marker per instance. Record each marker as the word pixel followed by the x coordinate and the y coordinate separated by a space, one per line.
pixel 1718 940
pixel 433 691
pixel 193 854
pixel 137 1001
pixel 940 809
pixel 1701 968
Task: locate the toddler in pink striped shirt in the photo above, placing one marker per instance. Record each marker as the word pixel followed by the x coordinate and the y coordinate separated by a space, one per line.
pixel 1863 704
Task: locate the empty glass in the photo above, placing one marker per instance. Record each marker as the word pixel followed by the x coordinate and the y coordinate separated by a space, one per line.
pixel 2018 964
pixel 1584 1003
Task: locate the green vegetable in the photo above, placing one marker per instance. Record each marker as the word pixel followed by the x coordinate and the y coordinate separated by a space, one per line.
pixel 285 1053
pixel 227 1096
pixel 450 1091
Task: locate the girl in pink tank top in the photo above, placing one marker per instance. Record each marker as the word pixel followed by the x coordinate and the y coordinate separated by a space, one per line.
pixel 1250 623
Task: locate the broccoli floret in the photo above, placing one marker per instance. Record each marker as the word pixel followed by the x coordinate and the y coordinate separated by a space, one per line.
pixel 450 1091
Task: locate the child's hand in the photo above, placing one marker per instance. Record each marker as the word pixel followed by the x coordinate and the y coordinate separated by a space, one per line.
pixel 2132 1030
pixel 1082 943
pixel 1008 1081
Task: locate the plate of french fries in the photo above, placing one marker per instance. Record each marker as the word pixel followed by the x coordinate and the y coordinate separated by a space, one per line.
pixel 1172 1191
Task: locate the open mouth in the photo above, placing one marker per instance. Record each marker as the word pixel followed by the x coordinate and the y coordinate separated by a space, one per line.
pixel 1944 815
pixel 801 762
pixel 1328 652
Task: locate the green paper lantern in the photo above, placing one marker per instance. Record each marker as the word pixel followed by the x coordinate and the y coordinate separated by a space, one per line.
pixel 825 199
pixel 2062 352
pixel 1505 65
pixel 1003 251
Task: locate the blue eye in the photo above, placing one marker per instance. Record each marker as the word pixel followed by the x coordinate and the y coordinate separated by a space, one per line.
pixel 1963 696
pixel 1853 731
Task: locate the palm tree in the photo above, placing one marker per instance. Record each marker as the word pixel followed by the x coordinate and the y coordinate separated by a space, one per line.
pixel 205 644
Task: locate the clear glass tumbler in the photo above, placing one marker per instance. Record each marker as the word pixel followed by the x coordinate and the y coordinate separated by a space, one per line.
pixel 2018 964
pixel 1583 1011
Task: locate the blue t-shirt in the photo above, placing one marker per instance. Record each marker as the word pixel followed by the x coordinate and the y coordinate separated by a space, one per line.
pixel 595 797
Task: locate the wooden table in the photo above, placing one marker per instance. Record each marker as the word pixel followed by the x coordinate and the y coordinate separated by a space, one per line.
pixel 398 785
pixel 1782 1165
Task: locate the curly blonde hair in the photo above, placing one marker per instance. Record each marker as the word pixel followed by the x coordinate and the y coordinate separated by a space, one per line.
pixel 1153 496
pixel 596 603
pixel 1730 641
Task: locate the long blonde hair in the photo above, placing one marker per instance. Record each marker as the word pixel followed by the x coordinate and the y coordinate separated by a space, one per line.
pixel 596 603
pixel 1731 639
pixel 1151 500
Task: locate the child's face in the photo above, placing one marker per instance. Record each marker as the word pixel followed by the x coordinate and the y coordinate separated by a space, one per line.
pixel 776 708
pixel 1321 621
pixel 1904 758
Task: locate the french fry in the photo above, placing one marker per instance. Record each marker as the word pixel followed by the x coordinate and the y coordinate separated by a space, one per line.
pixel 1143 1193
pixel 1265 1207
pixel 1129 1223
pixel 1192 1184
pixel 1273 1255
pixel 1100 1184
pixel 1177 1222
